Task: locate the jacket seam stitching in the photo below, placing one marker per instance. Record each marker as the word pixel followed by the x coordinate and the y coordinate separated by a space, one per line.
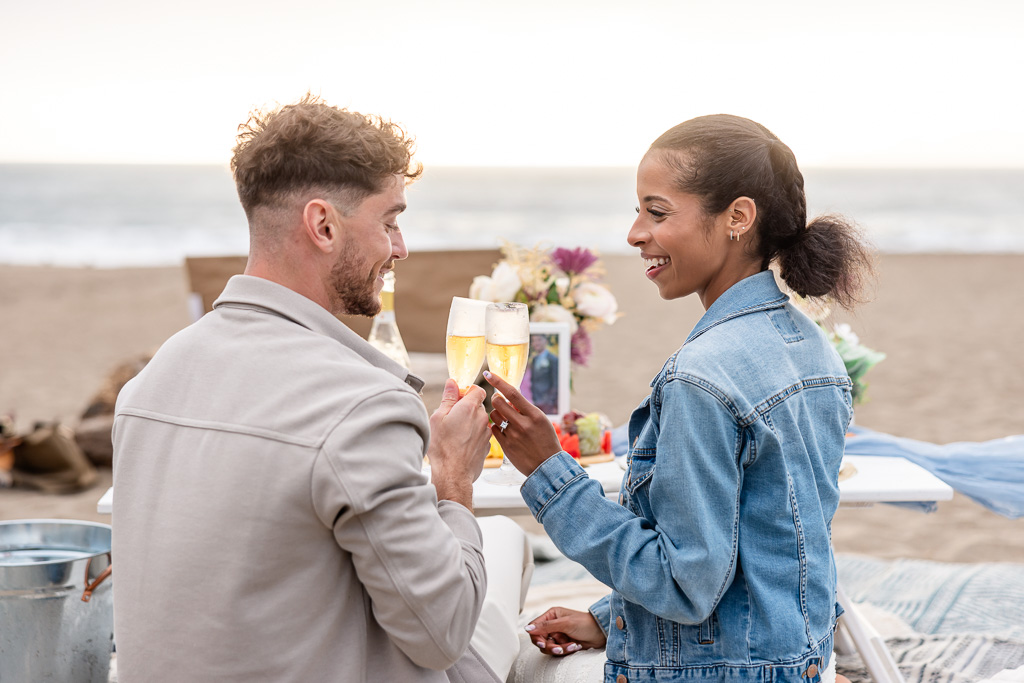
pixel 763 407
pixel 212 425
pixel 802 553
pixel 705 385
pixel 763 306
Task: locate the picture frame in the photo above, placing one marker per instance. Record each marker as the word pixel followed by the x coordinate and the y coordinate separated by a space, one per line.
pixel 546 381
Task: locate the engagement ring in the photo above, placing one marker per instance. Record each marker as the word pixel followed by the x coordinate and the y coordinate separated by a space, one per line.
pixel 504 423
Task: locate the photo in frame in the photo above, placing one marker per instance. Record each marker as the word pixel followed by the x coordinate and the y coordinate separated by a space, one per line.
pixel 546 382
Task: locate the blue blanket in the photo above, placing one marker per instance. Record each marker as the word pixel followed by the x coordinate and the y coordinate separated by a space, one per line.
pixel 990 472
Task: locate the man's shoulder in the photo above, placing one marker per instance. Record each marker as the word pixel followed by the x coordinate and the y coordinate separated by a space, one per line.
pixel 290 380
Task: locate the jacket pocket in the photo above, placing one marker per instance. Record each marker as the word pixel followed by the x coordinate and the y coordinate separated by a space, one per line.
pixel 640 468
pixel 638 476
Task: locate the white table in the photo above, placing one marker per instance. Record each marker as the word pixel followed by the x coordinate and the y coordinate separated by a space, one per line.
pixel 877 480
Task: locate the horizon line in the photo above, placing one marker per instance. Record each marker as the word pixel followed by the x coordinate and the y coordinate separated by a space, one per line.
pixel 531 167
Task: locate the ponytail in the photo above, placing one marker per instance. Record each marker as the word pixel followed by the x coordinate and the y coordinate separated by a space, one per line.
pixel 829 259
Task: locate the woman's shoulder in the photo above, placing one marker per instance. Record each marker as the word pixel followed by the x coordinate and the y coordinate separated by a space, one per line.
pixel 747 358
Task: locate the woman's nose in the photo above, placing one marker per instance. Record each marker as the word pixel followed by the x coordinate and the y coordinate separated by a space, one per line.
pixel 638 234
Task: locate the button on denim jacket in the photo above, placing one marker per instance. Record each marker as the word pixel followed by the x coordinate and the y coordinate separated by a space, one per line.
pixel 719 552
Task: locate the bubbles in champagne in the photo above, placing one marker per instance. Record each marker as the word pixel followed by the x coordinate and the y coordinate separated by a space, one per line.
pixel 508 336
pixel 464 345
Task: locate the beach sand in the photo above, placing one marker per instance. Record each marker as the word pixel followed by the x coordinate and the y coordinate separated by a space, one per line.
pixel 951 326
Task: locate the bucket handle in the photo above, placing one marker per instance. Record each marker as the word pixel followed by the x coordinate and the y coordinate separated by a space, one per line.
pixel 90 587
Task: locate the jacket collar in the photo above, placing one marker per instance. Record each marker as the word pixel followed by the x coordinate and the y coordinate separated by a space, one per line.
pixel 254 292
pixel 755 293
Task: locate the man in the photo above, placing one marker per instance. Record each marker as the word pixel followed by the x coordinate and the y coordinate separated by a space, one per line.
pixel 270 519
pixel 543 380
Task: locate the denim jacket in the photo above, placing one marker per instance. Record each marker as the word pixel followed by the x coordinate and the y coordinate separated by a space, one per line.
pixel 719 552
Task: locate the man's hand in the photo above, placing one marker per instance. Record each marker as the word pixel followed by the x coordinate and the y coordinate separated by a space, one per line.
pixel 458 443
pixel 561 631
pixel 529 437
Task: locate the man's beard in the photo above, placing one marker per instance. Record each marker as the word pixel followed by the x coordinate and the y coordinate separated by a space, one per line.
pixel 351 295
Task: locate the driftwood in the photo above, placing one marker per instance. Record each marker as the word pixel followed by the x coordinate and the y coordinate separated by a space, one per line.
pixel 103 402
pixel 93 436
pixel 93 432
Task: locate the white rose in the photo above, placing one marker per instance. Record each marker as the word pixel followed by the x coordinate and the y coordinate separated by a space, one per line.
pixel 553 313
pixel 506 282
pixel 595 301
pixel 502 285
pixel 846 333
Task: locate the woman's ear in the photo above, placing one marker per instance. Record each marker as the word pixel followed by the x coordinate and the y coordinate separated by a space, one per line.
pixel 741 215
pixel 320 222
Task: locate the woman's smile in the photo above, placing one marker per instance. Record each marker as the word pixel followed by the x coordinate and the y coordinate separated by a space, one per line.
pixel 655 264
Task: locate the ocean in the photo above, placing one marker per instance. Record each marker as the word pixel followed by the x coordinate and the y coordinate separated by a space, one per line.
pixel 123 216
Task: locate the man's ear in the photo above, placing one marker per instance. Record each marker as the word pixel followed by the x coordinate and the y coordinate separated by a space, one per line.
pixel 321 224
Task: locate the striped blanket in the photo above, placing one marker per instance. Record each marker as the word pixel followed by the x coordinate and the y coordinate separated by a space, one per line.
pixel 943 623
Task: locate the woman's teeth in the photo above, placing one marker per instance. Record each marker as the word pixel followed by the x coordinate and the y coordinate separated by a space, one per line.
pixel 655 262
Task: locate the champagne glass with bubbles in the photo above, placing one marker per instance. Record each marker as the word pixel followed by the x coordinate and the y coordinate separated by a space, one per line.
pixel 464 344
pixel 507 332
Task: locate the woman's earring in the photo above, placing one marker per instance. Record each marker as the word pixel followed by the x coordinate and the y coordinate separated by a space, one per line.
pixel 732 235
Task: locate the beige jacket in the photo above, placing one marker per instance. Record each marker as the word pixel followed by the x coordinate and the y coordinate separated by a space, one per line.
pixel 270 519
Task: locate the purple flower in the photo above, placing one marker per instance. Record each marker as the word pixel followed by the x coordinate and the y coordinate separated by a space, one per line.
pixel 573 260
pixel 580 347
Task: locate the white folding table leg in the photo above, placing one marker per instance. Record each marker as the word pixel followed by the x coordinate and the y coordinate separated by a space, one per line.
pixel 868 642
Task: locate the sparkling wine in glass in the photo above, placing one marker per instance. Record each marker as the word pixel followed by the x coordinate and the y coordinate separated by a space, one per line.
pixel 464 344
pixel 507 346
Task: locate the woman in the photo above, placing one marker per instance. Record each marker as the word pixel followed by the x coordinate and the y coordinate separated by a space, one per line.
pixel 719 555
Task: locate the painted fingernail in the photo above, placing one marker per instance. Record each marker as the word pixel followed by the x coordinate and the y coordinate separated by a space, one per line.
pixel 539 643
pixel 487 374
pixel 557 650
pixel 572 647
pixel 530 627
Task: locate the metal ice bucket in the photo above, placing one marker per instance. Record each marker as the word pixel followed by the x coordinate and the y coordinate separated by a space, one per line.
pixel 56 608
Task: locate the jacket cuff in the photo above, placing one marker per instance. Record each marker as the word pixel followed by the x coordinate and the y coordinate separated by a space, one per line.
pixel 461 521
pixel 602 613
pixel 548 480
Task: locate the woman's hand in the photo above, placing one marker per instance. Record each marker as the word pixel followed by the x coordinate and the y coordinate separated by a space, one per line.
pixel 528 438
pixel 561 631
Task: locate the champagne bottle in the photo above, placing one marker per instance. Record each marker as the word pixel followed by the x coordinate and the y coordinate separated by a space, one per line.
pixel 384 334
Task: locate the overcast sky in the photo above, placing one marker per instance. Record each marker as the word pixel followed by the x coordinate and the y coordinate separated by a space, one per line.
pixel 535 83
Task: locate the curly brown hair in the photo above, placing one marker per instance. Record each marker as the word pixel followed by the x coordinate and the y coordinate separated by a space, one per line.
pixel 312 145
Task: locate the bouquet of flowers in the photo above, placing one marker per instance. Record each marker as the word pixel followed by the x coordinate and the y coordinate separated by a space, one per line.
pixel 857 357
pixel 557 285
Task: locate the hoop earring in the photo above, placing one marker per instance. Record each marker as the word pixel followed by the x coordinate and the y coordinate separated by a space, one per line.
pixel 732 236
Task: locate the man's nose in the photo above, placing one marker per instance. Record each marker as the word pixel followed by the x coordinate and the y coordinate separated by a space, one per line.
pixel 398 249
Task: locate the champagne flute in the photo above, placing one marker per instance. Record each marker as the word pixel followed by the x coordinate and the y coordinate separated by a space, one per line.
pixel 464 344
pixel 507 346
